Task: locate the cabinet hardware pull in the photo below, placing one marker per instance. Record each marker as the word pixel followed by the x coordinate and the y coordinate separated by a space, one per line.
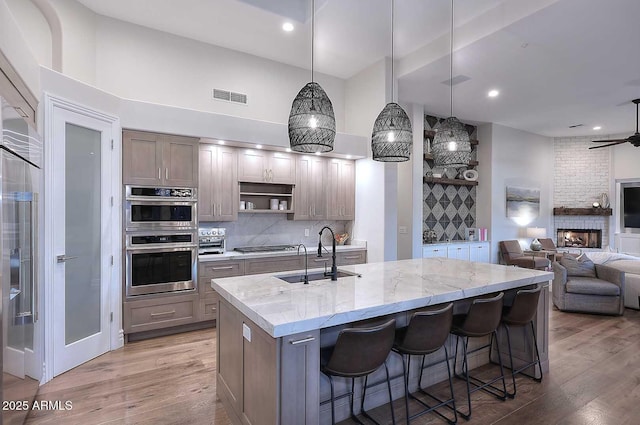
pixel 166 313
pixel 21 112
pixel 302 341
pixel 351 257
pixel 159 175
pixel 271 175
pixel 166 173
pixel 222 268
pixel 324 260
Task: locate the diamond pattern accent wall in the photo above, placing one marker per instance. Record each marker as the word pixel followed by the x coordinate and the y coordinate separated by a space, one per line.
pixel 447 209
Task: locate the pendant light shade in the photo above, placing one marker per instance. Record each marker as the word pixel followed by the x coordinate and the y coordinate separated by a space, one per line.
pixel 392 136
pixel 451 146
pixel 312 125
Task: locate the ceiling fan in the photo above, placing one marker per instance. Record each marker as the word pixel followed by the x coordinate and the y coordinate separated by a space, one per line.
pixel 633 139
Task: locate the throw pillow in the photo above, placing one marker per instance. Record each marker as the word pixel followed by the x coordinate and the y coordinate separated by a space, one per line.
pixel 578 266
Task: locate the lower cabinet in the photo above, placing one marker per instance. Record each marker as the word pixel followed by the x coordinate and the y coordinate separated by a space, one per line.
pixel 157 313
pixel 208 270
pixel 273 264
pixel 469 251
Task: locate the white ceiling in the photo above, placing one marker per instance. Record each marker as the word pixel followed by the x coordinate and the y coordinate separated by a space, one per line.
pixel 556 62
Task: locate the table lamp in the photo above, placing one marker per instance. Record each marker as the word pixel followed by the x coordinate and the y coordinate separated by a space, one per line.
pixel 535 233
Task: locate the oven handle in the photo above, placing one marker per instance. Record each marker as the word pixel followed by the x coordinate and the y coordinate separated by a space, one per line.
pixel 163 248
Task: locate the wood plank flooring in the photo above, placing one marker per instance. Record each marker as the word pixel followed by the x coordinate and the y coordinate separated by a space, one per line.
pixel 594 379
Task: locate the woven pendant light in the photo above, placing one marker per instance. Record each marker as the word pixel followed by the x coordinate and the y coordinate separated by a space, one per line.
pixel 312 124
pixel 392 136
pixel 451 146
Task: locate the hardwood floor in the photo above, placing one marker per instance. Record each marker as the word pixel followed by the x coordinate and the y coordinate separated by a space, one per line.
pixel 594 379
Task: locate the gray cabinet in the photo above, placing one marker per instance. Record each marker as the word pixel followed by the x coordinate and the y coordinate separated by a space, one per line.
pixel 211 270
pixel 162 312
pixel 155 159
pixel 218 183
pixel 258 166
pixel 310 191
pixel 341 184
pixel 273 264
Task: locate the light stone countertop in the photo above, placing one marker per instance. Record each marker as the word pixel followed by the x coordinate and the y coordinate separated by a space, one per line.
pixel 235 255
pixel 282 308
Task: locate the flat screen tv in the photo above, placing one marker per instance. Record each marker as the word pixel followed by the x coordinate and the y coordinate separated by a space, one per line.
pixel 631 207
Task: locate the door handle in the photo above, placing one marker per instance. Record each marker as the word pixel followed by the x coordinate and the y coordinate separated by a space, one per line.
pixel 63 258
pixel 166 173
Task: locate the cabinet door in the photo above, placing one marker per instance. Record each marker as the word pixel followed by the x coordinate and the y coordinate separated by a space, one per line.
pixel 229 362
pixel 226 192
pixel 480 253
pixel 282 168
pixel 310 201
pixel 459 252
pixel 252 166
pixel 348 190
pixel 180 160
pixel 141 158
pixel 351 257
pixel 206 182
pixel 273 264
pixel 333 188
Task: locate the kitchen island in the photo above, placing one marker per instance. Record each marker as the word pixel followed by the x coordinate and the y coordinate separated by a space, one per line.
pixel 269 332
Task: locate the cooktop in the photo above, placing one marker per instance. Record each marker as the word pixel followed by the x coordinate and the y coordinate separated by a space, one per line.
pixel 265 248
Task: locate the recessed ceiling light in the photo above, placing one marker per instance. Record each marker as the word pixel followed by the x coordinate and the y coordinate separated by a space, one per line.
pixel 258 146
pixel 493 93
pixel 348 156
pixel 597 127
pixel 287 26
pixel 288 149
pixel 221 142
pixel 318 153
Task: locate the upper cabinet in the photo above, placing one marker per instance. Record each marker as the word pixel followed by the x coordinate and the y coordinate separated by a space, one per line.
pixel 310 191
pixel 258 166
pixel 341 190
pixel 218 183
pixel 155 159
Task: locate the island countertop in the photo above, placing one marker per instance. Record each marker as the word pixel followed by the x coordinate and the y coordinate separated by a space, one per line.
pixel 282 308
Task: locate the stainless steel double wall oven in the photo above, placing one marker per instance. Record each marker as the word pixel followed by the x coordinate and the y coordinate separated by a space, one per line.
pixel 161 240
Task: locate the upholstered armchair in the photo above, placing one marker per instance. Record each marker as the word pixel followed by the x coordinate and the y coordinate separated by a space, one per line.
pixel 512 255
pixel 580 285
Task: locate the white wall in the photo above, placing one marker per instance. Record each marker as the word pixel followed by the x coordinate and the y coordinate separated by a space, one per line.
pixel 364 99
pixel 17 51
pixel 138 63
pixel 33 28
pixel 521 159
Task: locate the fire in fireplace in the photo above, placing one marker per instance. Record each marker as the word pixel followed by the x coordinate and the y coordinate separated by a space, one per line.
pixel 579 238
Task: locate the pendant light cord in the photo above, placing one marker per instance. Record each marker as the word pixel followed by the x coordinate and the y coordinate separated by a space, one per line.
pixel 392 56
pixel 313 22
pixel 451 64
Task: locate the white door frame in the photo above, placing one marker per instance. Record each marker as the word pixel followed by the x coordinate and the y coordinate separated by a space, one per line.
pixel 51 103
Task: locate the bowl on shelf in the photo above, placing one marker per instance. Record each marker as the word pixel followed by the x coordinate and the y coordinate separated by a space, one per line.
pixel 341 238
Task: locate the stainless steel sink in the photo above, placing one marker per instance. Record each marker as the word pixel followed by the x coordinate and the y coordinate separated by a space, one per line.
pixel 299 277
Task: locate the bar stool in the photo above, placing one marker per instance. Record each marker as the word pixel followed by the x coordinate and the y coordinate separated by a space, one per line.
pixel 482 319
pixel 359 352
pixel 426 333
pixel 520 314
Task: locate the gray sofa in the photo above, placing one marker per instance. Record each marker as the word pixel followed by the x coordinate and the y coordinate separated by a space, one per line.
pixel 602 294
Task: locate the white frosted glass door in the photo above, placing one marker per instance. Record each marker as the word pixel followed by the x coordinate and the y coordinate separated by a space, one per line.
pixel 82 234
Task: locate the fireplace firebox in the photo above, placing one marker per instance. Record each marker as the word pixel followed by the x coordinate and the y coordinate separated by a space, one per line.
pixel 579 238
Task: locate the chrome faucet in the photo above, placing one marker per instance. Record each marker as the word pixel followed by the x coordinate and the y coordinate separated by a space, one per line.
pixel 334 268
pixel 306 274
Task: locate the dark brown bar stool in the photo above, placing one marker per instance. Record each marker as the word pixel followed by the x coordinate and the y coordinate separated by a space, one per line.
pixel 521 314
pixel 482 319
pixel 359 352
pixel 427 333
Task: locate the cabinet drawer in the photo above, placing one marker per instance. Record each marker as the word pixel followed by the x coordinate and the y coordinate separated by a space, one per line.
pixel 157 313
pixel 219 269
pixel 208 308
pixel 273 264
pixel 351 257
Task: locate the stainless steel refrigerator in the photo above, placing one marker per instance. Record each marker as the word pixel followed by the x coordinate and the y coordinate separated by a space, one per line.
pixel 22 339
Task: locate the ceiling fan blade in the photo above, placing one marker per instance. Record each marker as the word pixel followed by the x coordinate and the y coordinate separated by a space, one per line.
pixel 609 141
pixel 610 144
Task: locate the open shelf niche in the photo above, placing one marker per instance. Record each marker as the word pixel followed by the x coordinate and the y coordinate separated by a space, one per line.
pixel 262 193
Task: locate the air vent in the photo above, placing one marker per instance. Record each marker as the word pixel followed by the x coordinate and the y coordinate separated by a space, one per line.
pixel 229 96
pixel 456 80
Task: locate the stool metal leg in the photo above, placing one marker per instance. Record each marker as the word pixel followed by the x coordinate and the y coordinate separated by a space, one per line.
pixel 364 392
pixel 520 370
pixel 333 408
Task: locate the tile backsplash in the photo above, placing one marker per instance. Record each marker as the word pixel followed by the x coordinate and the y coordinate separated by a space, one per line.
pixel 275 229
